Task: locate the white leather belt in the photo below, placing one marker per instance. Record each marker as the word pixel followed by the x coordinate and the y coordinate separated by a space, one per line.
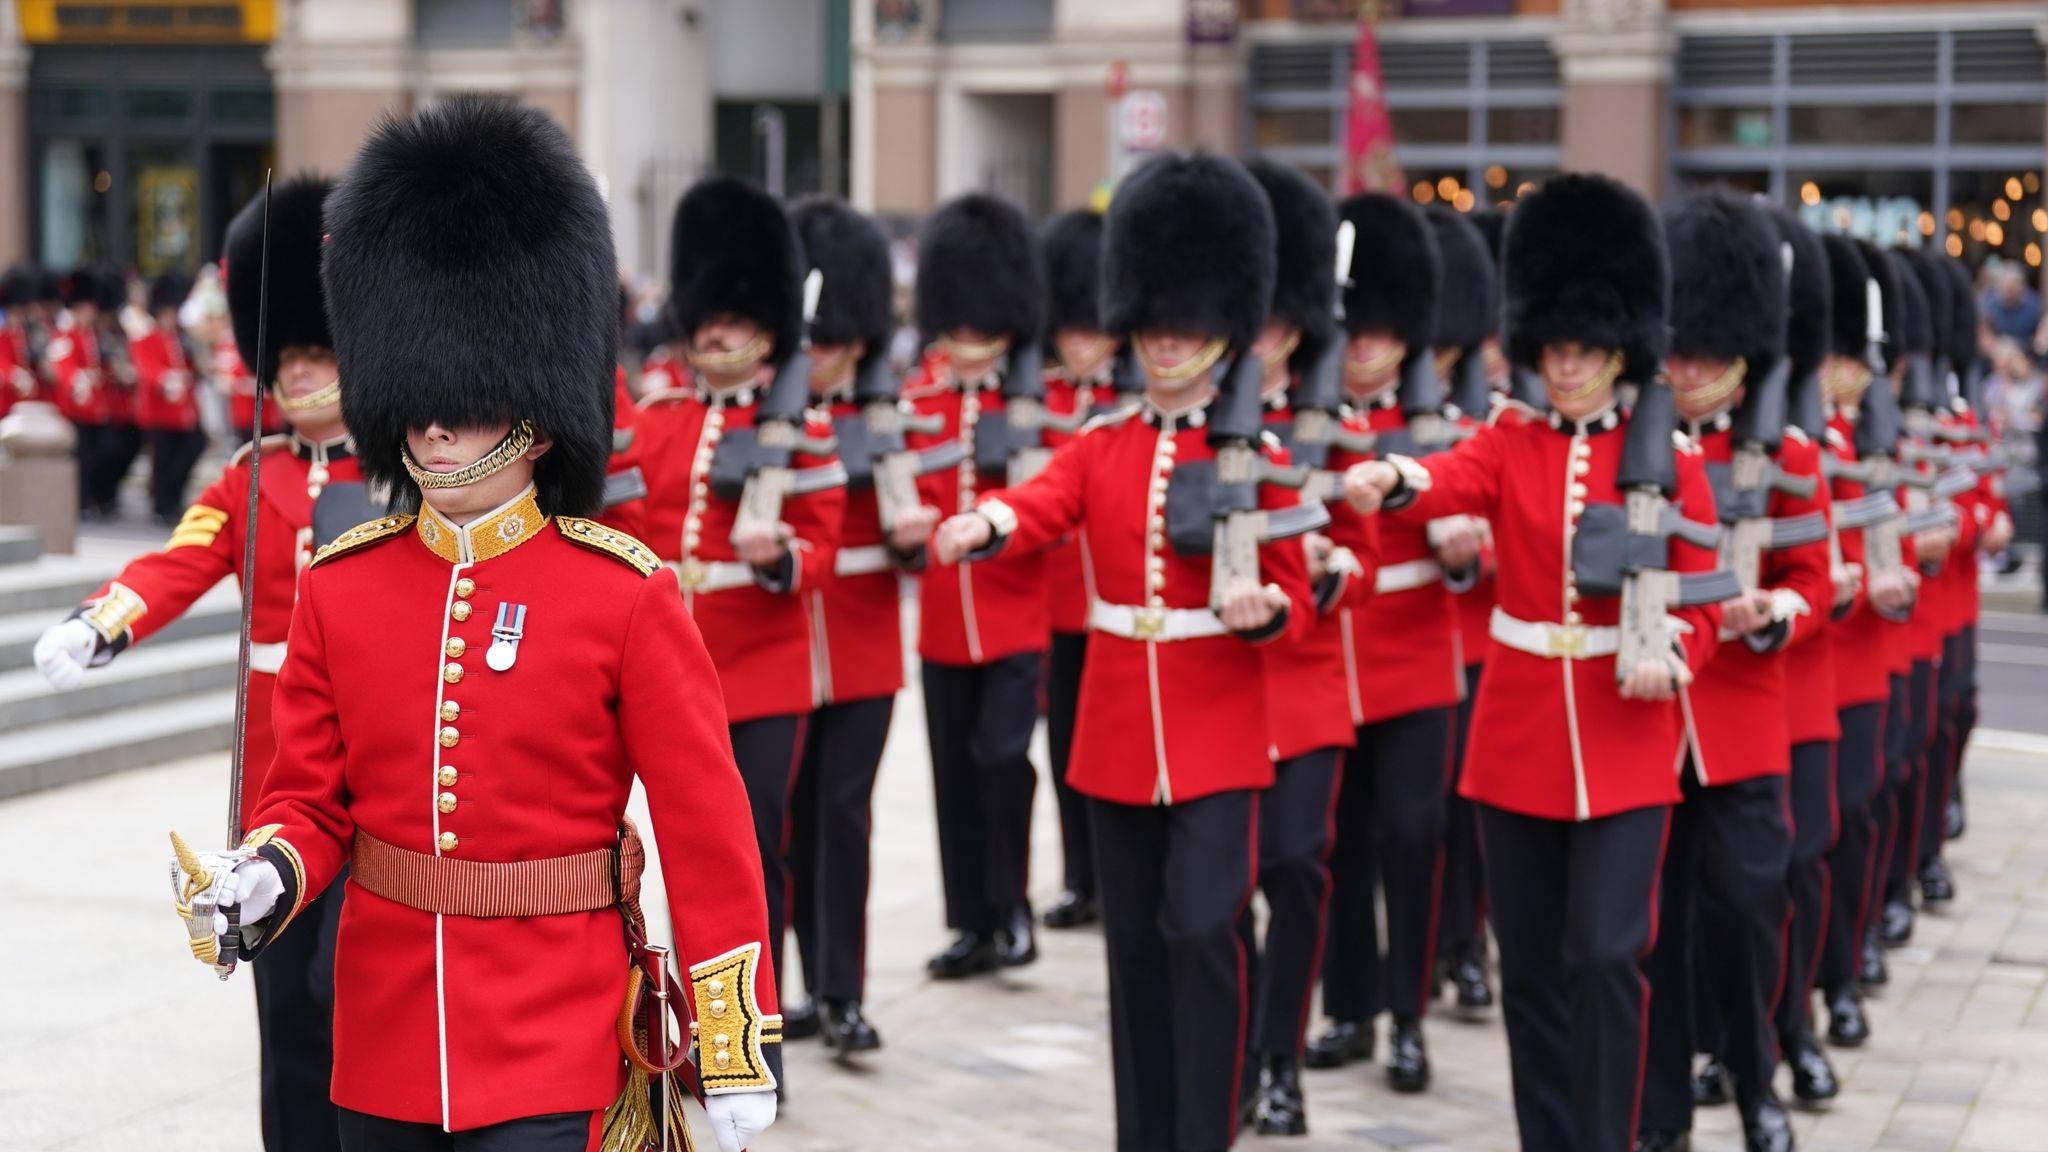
pixel 266 657
pixel 712 575
pixel 1554 641
pixel 1161 624
pixel 1404 576
pixel 864 560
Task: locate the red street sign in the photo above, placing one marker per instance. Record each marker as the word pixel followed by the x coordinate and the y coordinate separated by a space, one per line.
pixel 1119 79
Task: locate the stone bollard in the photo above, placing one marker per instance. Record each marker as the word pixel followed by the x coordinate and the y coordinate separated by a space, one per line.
pixel 39 474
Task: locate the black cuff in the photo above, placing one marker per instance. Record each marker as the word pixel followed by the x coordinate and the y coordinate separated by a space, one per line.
pixel 1402 496
pixel 280 913
pixel 1770 639
pixel 780 579
pixel 1272 628
pixel 1841 611
pixel 104 650
pixel 1330 591
pixel 988 551
pixel 1462 579
pixel 915 560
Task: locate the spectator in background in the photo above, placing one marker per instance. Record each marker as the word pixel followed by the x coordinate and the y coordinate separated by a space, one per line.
pixel 2013 395
pixel 2013 310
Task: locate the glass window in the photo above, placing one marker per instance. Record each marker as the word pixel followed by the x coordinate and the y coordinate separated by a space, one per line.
pixel 1521 125
pixel 71 103
pixel 1882 207
pixel 166 208
pixel 75 189
pixel 1432 125
pixel 1724 128
pixel 157 103
pixel 1751 183
pixel 1274 127
pixel 1996 213
pixel 462 23
pixel 1882 124
pixel 995 19
pixel 244 106
pixel 1997 124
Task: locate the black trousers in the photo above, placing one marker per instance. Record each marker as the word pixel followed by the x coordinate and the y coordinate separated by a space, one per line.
pixel 559 1132
pixel 1462 916
pixel 1722 909
pixel 94 442
pixel 1852 862
pixel 1952 684
pixel 1808 883
pixel 295 1027
pixel 1911 790
pixel 1295 831
pixel 1898 717
pixel 120 444
pixel 1574 910
pixel 979 719
pixel 1174 881
pixel 1062 702
pixel 171 457
pixel 767 751
pixel 1966 710
pixel 1390 827
pixel 831 819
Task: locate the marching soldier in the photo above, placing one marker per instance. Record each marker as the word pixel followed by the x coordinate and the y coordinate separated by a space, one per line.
pixel 736 274
pixel 310 479
pixel 167 397
pixel 983 627
pixel 1081 380
pixel 1402 680
pixel 88 393
pixel 1173 771
pixel 1571 757
pixel 1306 699
pixel 477 995
pixel 23 341
pixel 856 629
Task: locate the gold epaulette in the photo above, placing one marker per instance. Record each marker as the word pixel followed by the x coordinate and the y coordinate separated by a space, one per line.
pixel 383 528
pixel 1109 419
pixel 610 541
pixel 271 443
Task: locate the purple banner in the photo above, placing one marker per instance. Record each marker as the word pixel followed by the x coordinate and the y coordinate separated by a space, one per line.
pixel 1212 21
pixel 1419 9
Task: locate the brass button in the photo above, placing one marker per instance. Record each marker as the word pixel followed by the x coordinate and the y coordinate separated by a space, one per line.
pixel 447 842
pixel 455 647
pixel 1579 491
pixel 715 987
pixel 465 587
pixel 450 711
pixel 450 737
pixel 717 1008
pixel 1578 508
pixel 722 1059
pixel 445 802
pixel 460 611
pixel 722 1040
pixel 1574 618
pixel 452 673
pixel 447 776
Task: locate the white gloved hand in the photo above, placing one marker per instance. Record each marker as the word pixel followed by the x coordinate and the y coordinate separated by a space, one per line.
pixel 65 651
pixel 257 887
pixel 738 1117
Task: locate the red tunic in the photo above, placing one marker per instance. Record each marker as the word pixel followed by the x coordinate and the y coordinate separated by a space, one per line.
pixel 1862 643
pixel 206 548
pixel 1735 711
pixel 85 389
pixel 1161 722
pixel 627 515
pixel 857 611
pixel 166 391
pixel 19 377
pixel 760 640
pixel 1553 738
pixel 1066 565
pixel 388 723
pixel 972 613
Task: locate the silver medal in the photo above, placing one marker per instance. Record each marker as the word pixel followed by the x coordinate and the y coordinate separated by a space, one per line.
pixel 505 636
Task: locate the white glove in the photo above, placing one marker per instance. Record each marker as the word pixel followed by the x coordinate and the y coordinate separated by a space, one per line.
pixel 738 1117
pixel 256 889
pixel 65 651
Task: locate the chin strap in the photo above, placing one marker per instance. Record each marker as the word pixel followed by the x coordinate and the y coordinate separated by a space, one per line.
pixel 512 447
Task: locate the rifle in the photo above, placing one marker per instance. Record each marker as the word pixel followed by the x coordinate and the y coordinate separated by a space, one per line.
pixel 755 462
pixel 1743 487
pixel 872 444
pixel 1012 441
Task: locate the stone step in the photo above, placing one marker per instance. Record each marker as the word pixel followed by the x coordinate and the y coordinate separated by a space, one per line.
pixel 156 671
pixel 68 751
pixel 51 582
pixel 219 612
pixel 19 545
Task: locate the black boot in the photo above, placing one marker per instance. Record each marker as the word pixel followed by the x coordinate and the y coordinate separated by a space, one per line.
pixel 1936 885
pixel 801 1021
pixel 1897 927
pixel 1954 822
pixel 1664 1142
pixel 1343 1042
pixel 1468 976
pixel 1016 943
pixel 1407 1056
pixel 1710 1084
pixel 1848 1027
pixel 1813 1078
pixel 847 1030
pixel 971 953
pixel 1766 1126
pixel 1072 910
pixel 1872 973
pixel 1281 1110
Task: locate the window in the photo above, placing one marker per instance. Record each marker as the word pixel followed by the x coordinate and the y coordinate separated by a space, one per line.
pixel 1882 124
pixel 961 20
pixel 462 23
pixel 1279 127
pixel 1711 127
pixel 1521 125
pixel 1997 124
pixel 1431 126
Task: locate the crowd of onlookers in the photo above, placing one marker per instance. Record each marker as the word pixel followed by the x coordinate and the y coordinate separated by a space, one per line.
pixel 2014 337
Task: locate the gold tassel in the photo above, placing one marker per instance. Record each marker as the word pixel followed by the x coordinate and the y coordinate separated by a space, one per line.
pixel 630 1124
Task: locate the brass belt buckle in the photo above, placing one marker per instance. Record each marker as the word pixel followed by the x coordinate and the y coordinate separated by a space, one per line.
pixel 1148 623
pixel 694 573
pixel 1567 641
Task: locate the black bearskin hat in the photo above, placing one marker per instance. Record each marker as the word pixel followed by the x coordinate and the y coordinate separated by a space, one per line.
pixel 1938 290
pixel 1305 225
pixel 978 267
pixel 1891 296
pixel 1849 276
pixel 1963 320
pixel 23 284
pixel 1811 294
pixel 732 252
pixel 1189 247
pixel 81 286
pixel 471 279
pixel 1491 222
pixel 298 313
pixel 1469 303
pixel 1583 260
pixel 168 291
pixel 1914 333
pixel 1727 282
pixel 1397 276
pixel 851 252
pixel 1071 244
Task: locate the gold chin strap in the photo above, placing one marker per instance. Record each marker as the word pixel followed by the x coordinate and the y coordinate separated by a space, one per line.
pixel 323 398
pixel 1099 350
pixel 511 448
pixel 1844 381
pixel 745 356
pixel 1370 370
pixel 1446 360
pixel 1605 377
pixel 1713 395
pixel 1281 351
pixel 1204 359
pixel 973 351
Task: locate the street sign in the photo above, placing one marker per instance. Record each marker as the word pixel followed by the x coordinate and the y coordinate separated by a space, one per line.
pixel 1141 120
pixel 1119 79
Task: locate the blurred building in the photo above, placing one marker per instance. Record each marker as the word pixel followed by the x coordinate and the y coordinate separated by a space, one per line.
pixel 143 125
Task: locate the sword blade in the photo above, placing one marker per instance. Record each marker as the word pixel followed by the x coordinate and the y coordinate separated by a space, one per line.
pixel 236 767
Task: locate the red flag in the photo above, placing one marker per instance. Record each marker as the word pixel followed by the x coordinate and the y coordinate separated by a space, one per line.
pixel 1369 161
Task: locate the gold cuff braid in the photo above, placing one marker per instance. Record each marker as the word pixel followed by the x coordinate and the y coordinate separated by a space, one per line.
pixel 730 1027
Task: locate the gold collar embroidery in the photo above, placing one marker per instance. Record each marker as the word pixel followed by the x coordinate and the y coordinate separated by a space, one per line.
pixel 492 534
